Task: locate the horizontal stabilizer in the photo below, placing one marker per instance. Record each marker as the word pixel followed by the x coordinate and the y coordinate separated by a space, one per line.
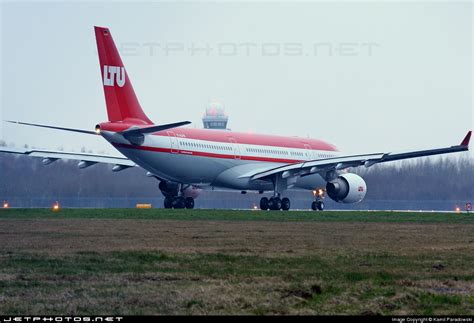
pixel 137 135
pixel 89 132
pixel 138 131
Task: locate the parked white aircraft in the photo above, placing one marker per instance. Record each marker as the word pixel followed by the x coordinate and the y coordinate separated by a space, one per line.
pixel 187 160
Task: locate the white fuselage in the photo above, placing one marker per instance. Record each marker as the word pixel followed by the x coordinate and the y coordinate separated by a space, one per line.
pixel 174 156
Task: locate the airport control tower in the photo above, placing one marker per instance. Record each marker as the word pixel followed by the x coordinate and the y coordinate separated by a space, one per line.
pixel 215 117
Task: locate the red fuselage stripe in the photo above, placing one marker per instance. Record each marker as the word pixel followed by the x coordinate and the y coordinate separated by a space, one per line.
pixel 222 136
pixel 205 154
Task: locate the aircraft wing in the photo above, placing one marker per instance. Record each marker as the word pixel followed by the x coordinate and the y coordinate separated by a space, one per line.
pixel 85 159
pixel 342 162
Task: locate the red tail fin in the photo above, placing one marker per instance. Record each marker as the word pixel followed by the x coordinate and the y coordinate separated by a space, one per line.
pixel 122 103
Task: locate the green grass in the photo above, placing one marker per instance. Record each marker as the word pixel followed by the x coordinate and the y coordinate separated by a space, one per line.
pixel 139 282
pixel 239 215
pixel 234 262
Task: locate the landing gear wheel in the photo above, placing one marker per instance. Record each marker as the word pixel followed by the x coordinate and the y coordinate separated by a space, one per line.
pixel 274 203
pixel 264 204
pixel 317 206
pixel 178 202
pixel 285 204
pixel 277 203
pixel 320 205
pixel 168 202
pixel 189 203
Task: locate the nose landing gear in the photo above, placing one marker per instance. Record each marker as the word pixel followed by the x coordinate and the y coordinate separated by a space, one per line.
pixel 318 204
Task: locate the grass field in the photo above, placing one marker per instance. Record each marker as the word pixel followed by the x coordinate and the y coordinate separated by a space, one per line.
pixel 126 261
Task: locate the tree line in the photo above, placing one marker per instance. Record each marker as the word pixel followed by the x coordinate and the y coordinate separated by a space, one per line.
pixel 431 178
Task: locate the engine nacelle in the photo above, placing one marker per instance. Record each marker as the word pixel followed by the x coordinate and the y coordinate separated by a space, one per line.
pixel 347 188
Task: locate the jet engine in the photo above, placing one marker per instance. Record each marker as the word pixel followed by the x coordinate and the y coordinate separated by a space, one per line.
pixel 347 188
pixel 171 189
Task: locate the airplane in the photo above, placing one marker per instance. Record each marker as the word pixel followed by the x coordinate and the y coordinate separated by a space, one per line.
pixel 187 160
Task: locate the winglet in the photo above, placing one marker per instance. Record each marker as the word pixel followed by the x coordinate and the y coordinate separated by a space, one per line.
pixel 465 141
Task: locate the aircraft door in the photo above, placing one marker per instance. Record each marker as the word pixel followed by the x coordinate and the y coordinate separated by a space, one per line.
pixel 173 141
pixel 235 148
pixel 308 152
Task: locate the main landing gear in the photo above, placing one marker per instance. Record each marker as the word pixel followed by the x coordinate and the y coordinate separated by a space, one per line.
pixel 174 196
pixel 178 202
pixel 275 203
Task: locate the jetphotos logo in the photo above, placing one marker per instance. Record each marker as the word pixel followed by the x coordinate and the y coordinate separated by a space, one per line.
pixel 114 74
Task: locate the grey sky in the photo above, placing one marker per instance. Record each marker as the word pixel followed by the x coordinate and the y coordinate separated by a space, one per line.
pixel 363 76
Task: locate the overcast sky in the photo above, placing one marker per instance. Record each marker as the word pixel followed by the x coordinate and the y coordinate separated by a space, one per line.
pixel 364 76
